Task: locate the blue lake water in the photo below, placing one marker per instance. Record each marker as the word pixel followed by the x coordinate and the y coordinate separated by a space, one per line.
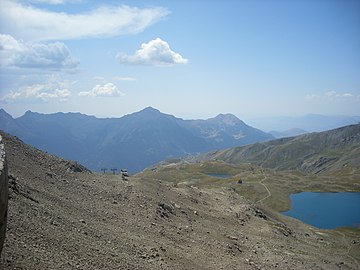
pixel 219 175
pixel 326 210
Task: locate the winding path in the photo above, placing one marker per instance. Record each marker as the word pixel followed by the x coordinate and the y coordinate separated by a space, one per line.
pixel 266 188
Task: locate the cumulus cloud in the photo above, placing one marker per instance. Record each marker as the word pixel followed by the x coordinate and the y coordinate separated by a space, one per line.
pixel 156 52
pixel 14 53
pixel 106 90
pixel 44 92
pixel 30 23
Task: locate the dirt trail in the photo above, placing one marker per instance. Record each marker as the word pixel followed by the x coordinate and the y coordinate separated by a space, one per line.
pixel 266 188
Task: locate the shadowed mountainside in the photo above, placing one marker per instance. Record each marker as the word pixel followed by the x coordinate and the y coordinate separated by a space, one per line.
pixel 134 141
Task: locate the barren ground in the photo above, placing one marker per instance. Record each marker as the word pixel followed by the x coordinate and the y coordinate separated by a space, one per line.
pixel 62 219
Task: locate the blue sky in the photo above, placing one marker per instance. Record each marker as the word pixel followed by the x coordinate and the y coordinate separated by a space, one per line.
pixel 193 59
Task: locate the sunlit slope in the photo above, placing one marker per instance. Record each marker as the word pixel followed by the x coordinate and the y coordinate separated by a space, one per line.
pixel 329 151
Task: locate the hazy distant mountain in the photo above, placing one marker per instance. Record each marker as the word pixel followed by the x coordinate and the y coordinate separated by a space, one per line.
pixel 8 123
pixel 315 152
pixel 310 123
pixel 225 130
pixel 134 141
pixel 288 133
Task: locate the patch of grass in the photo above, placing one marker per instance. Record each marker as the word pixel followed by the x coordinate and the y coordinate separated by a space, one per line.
pixel 280 183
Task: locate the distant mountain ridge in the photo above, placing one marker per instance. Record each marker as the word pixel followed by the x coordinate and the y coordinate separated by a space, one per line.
pixel 327 151
pixel 134 141
pixel 310 122
pixel 288 133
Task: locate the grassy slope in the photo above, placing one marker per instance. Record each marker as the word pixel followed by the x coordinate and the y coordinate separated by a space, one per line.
pixel 280 183
pixel 311 153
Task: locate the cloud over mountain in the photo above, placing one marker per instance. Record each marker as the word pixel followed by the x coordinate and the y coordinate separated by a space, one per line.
pixel 156 52
pixel 14 53
pixel 106 90
pixel 40 24
pixel 53 90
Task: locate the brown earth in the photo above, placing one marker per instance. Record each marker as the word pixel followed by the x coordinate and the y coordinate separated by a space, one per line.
pixel 62 216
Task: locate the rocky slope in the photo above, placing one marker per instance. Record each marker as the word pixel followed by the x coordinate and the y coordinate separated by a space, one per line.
pixel 61 216
pixel 3 194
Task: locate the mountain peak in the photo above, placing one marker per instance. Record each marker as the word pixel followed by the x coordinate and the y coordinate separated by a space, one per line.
pixel 28 112
pixel 148 114
pixel 228 119
pixel 3 112
pixel 150 110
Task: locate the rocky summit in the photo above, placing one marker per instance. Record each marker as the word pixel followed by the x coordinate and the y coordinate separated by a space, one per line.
pixel 62 216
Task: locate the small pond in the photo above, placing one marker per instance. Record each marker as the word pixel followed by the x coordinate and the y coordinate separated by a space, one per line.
pixel 326 210
pixel 220 175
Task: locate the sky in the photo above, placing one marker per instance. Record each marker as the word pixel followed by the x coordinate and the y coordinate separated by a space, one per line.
pixel 192 59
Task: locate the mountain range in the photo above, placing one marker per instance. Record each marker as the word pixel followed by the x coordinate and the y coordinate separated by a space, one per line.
pixel 134 141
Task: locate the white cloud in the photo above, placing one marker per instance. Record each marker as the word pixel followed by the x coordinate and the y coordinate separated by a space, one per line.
pixel 30 23
pixel 156 52
pixel 14 53
pixel 106 90
pixel 330 95
pixel 334 94
pixel 45 92
pixel 62 94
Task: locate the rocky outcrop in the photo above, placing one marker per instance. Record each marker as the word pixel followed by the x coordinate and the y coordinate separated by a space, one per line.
pixel 3 194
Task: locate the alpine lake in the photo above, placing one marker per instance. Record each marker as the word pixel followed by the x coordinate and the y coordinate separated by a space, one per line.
pixel 326 210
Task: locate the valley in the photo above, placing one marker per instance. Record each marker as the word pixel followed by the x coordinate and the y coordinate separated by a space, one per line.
pixel 179 135
pixel 173 215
